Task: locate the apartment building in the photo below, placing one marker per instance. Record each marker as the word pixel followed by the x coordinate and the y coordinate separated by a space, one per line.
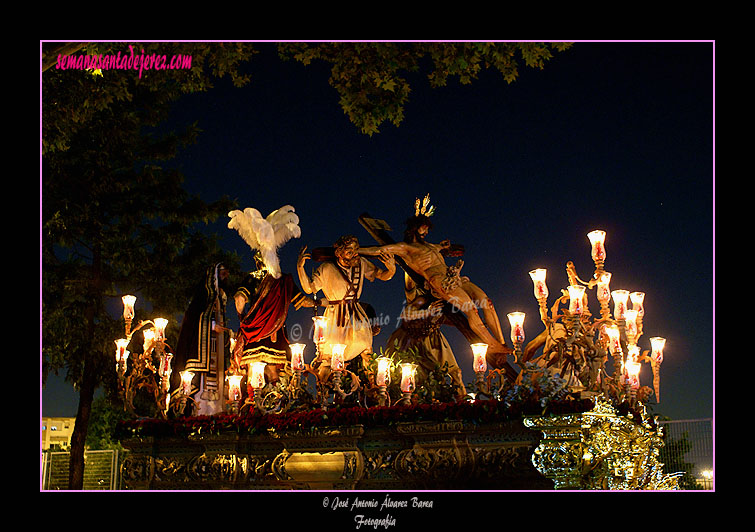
pixel 56 433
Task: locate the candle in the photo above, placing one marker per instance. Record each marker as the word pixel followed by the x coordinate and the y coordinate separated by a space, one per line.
pixel 149 337
pixel 516 319
pixel 633 371
pixel 657 344
pixel 120 348
pixel 336 357
pixel 407 377
pixel 614 338
pixel 128 306
pixel 538 281
pixel 619 303
pixel 383 377
pixel 297 356
pixel 257 378
pixel 576 292
pixel 597 239
pixel 234 387
pixel 160 324
pixel 164 370
pixel 631 324
pixel 186 377
pixel 318 332
pixel 603 292
pixel 637 299
pixel 480 364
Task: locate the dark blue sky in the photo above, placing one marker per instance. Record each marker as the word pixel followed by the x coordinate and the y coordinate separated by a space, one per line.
pixel 612 136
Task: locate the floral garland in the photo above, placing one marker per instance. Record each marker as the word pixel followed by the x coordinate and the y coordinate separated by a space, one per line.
pixel 253 422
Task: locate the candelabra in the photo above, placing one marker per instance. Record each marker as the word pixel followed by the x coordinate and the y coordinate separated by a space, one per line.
pixel 329 385
pixel 150 370
pixel 578 345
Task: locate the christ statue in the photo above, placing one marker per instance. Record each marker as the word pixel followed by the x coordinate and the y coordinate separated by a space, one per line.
pixel 445 282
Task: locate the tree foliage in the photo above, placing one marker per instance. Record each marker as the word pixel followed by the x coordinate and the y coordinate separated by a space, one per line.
pixel 371 78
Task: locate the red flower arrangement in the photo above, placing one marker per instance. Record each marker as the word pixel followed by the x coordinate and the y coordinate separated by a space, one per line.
pixel 253 422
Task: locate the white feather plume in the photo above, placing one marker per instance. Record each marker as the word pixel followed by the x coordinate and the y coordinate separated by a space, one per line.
pixel 267 235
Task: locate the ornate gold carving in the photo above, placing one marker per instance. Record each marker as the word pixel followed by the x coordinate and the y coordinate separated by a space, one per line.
pixel 213 468
pixel 137 469
pixel 600 450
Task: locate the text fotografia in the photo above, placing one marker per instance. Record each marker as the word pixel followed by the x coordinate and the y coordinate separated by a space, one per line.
pixel 126 61
pixel 358 505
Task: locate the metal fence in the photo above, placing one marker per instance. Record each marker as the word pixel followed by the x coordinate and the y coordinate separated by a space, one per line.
pixel 689 447
pixel 101 470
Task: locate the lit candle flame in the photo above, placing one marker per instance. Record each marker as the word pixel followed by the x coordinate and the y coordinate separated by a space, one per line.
pixel 538 281
pixel 603 291
pixel 149 337
pixel 479 350
pixel 614 338
pixel 597 241
pixel 297 356
pixel 318 332
pixel 576 293
pixel 336 359
pixel 407 377
pixel 257 378
pixel 638 299
pixel 657 344
pixel 234 387
pixel 186 377
pixel 516 319
pixel 383 377
pixel 128 306
pixel 620 298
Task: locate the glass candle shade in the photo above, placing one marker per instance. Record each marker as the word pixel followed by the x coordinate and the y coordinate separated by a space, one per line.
pixel 383 377
pixel 633 372
pixel 479 364
pixel 120 349
pixel 576 303
pixel 638 300
pixel 408 372
pixel 538 281
pixel 516 319
pixel 234 387
pixel 630 316
pixel 319 329
pixel 336 357
pixel 656 345
pixel 614 339
pixel 186 378
pixel 597 243
pixel 603 290
pixel 257 375
pixel 297 356
pixel 149 338
pixel 160 325
pixel 164 370
pixel 620 298
pixel 128 306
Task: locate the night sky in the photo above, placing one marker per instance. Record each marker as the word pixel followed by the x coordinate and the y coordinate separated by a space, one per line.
pixel 611 136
